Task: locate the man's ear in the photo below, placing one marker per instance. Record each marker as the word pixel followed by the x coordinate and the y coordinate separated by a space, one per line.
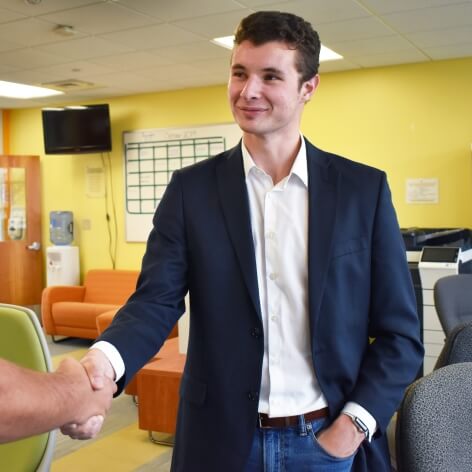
pixel 309 87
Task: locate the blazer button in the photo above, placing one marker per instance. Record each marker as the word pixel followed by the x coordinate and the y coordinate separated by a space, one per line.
pixel 256 333
pixel 253 395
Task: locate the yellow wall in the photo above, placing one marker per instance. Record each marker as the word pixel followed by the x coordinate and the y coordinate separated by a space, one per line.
pixel 412 121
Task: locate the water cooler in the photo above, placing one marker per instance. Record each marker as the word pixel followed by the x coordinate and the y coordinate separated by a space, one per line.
pixel 62 259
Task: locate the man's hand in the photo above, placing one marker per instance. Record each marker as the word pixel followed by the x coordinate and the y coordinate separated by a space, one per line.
pixel 100 374
pixel 342 438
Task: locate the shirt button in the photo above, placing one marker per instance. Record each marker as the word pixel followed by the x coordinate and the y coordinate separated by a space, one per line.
pixel 271 235
pixel 252 396
pixel 273 276
pixel 274 318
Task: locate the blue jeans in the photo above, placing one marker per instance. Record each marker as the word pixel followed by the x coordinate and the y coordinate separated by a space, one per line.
pixel 293 449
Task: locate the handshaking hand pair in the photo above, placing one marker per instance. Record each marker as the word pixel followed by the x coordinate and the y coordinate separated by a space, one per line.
pixel 101 375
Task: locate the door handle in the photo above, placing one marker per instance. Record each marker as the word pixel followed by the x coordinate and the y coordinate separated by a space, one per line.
pixel 34 246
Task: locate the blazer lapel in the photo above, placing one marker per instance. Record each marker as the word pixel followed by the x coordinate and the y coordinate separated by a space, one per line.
pixel 323 194
pixel 234 200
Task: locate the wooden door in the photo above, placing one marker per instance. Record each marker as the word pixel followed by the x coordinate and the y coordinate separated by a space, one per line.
pixel 21 266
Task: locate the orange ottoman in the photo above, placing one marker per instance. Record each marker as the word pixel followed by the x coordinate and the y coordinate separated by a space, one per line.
pixel 158 392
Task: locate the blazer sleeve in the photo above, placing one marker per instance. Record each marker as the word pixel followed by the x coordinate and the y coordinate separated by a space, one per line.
pixel 141 326
pixel 395 352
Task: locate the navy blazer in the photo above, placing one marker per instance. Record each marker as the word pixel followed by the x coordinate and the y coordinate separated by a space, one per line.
pixel 363 321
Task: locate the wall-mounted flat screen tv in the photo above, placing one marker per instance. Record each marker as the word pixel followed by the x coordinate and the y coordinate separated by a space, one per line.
pixel 77 130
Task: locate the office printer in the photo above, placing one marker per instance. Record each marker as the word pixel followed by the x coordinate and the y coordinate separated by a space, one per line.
pixel 433 253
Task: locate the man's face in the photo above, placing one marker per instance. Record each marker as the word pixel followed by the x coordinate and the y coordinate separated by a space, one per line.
pixel 264 89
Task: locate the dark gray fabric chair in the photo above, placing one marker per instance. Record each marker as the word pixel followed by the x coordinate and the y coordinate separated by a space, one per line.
pixel 458 347
pixel 434 423
pixel 453 300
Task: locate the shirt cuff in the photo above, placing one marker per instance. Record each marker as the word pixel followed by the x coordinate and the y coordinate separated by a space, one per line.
pixel 113 356
pixel 355 409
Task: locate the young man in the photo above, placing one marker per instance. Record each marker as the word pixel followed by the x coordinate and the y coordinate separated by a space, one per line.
pixel 293 260
pixel 35 402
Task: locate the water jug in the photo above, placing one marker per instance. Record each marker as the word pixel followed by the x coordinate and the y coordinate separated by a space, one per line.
pixel 61 227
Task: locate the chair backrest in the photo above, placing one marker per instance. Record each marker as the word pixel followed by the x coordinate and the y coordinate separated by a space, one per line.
pixel 109 286
pixel 458 346
pixel 453 300
pixel 22 341
pixel 434 422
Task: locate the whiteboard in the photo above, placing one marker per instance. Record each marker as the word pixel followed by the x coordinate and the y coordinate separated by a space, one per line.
pixel 152 155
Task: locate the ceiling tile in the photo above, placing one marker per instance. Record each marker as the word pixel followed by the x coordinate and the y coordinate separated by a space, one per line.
pixel 8 15
pixel 85 48
pixel 152 37
pixel 132 60
pixel 255 3
pixel 43 7
pixel 182 9
pixel 359 28
pixel 450 52
pixel 27 77
pixel 389 6
pixel 431 18
pixel 29 58
pixel 381 45
pixel 31 32
pixel 336 66
pixel 199 50
pixel 320 11
pixel 89 18
pixel 74 70
pixel 396 57
pixel 442 37
pixel 212 26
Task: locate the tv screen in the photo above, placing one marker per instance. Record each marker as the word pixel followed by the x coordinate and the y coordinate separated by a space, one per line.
pixel 77 130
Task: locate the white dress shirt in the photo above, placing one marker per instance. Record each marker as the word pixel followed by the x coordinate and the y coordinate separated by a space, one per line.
pixel 279 221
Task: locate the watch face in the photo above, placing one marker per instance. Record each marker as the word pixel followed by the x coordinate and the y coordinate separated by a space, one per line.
pixel 361 426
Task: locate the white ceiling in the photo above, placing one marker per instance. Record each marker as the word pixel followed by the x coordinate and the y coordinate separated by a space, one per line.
pixel 124 47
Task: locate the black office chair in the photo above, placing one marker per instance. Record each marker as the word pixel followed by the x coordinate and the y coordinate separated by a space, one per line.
pixel 434 424
pixel 453 300
pixel 458 346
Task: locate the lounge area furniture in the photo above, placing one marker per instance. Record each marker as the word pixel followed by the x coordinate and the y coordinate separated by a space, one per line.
pixel 73 310
pixel 158 384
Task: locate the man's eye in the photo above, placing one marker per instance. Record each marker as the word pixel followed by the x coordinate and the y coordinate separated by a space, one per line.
pixel 270 77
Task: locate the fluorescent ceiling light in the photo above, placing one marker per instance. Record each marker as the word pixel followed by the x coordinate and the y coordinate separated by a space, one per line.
pixel 14 90
pixel 224 41
pixel 326 54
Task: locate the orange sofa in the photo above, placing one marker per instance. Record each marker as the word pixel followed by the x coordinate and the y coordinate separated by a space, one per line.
pixel 73 310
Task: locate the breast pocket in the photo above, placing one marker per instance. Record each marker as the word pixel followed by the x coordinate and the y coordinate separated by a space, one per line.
pixel 350 246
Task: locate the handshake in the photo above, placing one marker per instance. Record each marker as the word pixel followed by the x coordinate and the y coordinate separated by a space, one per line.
pixel 96 381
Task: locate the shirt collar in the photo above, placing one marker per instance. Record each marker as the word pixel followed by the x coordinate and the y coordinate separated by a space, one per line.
pixel 299 167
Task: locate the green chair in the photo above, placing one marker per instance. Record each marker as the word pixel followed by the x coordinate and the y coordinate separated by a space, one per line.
pixel 22 341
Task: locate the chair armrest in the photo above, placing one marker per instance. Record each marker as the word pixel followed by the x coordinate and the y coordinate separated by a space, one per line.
pixel 54 294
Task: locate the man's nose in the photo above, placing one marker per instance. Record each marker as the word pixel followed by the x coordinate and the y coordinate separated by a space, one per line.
pixel 251 89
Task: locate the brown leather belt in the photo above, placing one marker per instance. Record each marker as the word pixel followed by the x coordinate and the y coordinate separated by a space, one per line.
pixel 284 421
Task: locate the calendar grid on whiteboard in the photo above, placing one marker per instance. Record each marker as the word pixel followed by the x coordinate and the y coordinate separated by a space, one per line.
pixel 149 167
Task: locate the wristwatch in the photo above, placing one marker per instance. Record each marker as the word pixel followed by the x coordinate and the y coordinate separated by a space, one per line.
pixel 358 423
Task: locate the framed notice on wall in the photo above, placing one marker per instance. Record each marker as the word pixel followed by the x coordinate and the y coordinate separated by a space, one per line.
pixel 151 155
